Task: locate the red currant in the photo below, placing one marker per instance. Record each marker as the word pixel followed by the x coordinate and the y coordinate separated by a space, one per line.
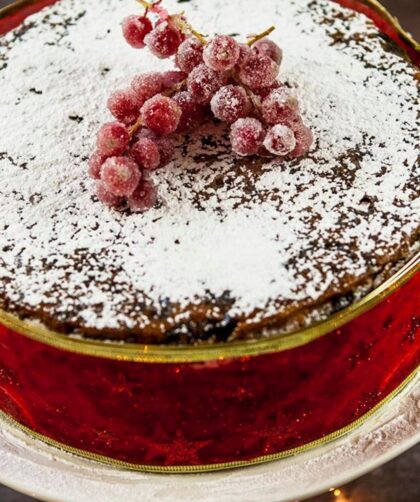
pixel 230 103
pixel 144 196
pixel 121 175
pixel 279 105
pixel 258 71
pixel 161 114
pixel 247 136
pixel 95 163
pixel 203 83
pixel 135 28
pixel 124 105
pixel 192 112
pixel 147 85
pixel 113 139
pixel 146 153
pixel 280 140
pixel 221 53
pixel 189 55
pixel 106 197
pixel 164 40
pixel 267 47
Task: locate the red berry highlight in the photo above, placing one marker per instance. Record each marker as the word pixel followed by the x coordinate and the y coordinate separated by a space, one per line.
pixel 230 103
pixel 121 175
pixel 266 47
pixel 189 55
pixel 280 140
pixel 203 83
pixel 144 196
pixel 135 28
pixel 164 40
pixel 247 136
pixel 221 53
pixel 124 106
pixel 279 106
pixel 108 198
pixel 95 163
pixel 258 71
pixel 161 114
pixel 147 85
pixel 146 153
pixel 113 139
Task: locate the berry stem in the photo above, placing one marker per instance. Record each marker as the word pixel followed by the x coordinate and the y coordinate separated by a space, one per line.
pixel 182 24
pixel 145 4
pixel 264 34
pixel 135 127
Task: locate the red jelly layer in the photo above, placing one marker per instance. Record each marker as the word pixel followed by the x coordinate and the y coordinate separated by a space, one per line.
pixel 213 412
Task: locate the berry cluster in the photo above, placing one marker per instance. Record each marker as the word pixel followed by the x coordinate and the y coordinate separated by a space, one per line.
pixel 236 83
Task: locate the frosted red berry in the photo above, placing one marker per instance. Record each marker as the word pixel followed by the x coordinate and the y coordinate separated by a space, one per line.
pixel 161 114
pixel 244 52
pixel 247 136
pixel 146 153
pixel 192 112
pixel 172 78
pixel 263 92
pixel 279 105
pixel 203 83
pixel 164 40
pixel 147 85
pixel 304 140
pixel 113 139
pixel 95 163
pixel 124 105
pixel 189 55
pixel 144 196
pixel 165 145
pixel 280 140
pixel 121 175
pixel 266 47
pixel 230 103
pixel 221 53
pixel 258 71
pixel 106 197
pixel 135 28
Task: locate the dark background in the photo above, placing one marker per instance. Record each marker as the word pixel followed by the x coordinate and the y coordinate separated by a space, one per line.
pixel 399 480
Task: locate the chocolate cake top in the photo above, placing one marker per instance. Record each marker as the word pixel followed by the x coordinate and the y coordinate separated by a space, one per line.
pixel 232 243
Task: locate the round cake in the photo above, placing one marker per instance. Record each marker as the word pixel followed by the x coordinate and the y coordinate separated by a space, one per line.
pixel 235 248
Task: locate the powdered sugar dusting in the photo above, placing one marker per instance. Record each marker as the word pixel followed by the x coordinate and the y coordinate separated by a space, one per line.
pixel 260 237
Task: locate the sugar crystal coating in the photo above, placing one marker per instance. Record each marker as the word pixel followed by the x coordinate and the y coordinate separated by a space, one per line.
pixel 120 175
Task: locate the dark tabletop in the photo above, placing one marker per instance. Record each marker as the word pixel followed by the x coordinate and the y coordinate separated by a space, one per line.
pixel 399 480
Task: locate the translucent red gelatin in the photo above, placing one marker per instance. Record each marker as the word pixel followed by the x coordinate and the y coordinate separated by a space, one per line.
pixel 196 414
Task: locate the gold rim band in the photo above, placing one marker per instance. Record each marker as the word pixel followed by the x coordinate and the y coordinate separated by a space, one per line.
pixel 191 469
pixel 186 354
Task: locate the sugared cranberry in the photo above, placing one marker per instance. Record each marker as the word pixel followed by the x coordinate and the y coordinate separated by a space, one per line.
pixel 113 139
pixel 192 112
pixel 164 40
pixel 161 114
pixel 244 52
pixel 221 53
pixel 203 83
pixel 165 145
pixel 106 197
pixel 144 196
pixel 280 140
pixel 304 140
pixel 267 47
pixel 258 71
pixel 95 163
pixel 247 136
pixel 135 28
pixel 279 105
pixel 121 175
pixel 124 105
pixel 147 85
pixel 230 103
pixel 189 55
pixel 146 153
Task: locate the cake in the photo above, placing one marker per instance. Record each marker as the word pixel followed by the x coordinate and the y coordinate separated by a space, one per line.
pixel 272 304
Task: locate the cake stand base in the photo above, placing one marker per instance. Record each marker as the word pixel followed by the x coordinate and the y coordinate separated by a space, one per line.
pixel 34 468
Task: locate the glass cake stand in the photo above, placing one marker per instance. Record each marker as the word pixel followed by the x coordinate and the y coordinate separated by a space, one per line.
pixel 42 471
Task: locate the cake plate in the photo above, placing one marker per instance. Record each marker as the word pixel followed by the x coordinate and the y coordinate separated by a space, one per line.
pixel 47 473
